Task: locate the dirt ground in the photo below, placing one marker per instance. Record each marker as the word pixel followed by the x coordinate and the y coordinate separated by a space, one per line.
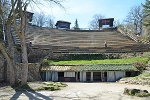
pixel 75 91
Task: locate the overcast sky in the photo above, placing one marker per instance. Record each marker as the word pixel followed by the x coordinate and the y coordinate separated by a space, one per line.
pixel 84 10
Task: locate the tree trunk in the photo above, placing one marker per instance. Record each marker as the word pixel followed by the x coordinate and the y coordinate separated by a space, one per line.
pixel 24 76
pixel 11 50
pixel 24 63
pixel 9 63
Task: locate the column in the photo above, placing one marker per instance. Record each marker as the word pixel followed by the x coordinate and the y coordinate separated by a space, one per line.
pixel 81 77
pixel 91 76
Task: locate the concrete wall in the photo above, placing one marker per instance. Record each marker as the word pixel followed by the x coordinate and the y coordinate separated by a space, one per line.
pixel 33 71
pixel 35 55
pixel 33 74
pixel 2 68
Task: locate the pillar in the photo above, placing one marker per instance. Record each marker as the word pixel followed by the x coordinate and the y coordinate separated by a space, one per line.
pixel 91 76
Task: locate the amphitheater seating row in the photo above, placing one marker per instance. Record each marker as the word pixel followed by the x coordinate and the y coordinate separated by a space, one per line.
pixel 67 41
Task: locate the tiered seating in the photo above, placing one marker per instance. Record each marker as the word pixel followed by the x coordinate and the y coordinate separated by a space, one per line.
pixel 62 41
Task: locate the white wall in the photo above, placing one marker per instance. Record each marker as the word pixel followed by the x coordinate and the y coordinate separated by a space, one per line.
pixel 114 75
pixel 82 76
pixel 69 74
pixel 119 74
pixel 48 75
pixel 54 76
pixel 51 76
pixel 110 76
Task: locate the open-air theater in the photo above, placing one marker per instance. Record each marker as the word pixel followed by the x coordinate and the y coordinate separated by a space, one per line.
pixel 64 44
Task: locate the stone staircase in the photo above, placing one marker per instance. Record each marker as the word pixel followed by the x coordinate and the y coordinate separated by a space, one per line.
pixel 16 38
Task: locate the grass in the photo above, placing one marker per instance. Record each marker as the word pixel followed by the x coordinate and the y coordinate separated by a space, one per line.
pixel 105 61
pixel 146 74
pixel 22 87
pixel 50 86
pixel 136 92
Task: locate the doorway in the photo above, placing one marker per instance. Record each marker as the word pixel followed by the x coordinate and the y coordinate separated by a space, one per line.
pixel 128 74
pixel 88 76
pixel 97 76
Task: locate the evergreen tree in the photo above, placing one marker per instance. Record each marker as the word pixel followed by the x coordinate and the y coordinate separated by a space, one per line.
pixel 146 9
pixel 76 27
pixel 146 23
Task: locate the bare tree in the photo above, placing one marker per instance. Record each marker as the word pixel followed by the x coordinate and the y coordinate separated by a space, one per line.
pixel 116 23
pixel 50 21
pixel 18 11
pixel 4 12
pixel 135 19
pixel 6 17
pixel 94 24
pixel 39 19
pixel 20 30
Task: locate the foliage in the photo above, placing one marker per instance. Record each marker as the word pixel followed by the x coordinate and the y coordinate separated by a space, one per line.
pixel 146 74
pixel 76 27
pixel 105 61
pixel 94 23
pixel 146 17
pixel 52 86
pixel 146 13
pixel 45 63
pixel 16 11
pixel 25 86
pixel 142 94
pixel 143 76
pixel 139 65
pixel 136 92
pixel 21 87
pixel 135 19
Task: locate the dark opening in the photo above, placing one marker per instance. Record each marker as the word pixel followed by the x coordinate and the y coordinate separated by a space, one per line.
pixel 97 76
pixel 60 74
pixel 43 76
pixel 104 79
pixel 105 74
pixel 78 75
pixel 128 74
pixel 88 76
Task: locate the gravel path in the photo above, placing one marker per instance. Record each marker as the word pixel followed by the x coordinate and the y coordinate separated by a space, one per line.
pixel 76 91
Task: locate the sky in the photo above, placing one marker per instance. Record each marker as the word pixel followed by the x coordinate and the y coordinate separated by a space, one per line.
pixel 84 10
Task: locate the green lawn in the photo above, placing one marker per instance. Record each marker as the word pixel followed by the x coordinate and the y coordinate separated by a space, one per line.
pixel 106 61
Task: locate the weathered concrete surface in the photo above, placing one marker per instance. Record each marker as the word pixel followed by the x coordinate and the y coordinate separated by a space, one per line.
pixel 76 91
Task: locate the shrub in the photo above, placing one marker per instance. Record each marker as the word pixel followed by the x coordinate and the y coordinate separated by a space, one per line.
pixel 56 88
pixel 45 63
pixel 143 94
pixel 22 87
pixel 140 66
pixel 136 92
pixel 52 86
